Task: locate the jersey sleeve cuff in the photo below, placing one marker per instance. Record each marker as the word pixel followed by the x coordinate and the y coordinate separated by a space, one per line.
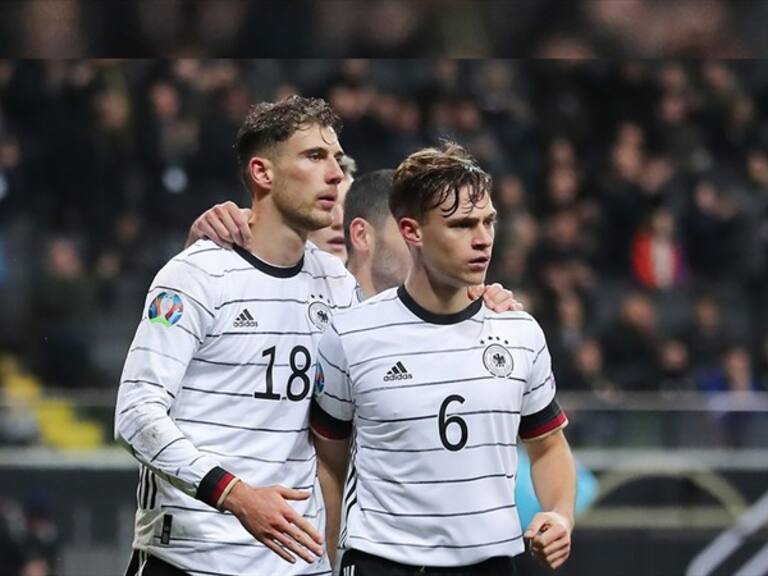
pixel 215 486
pixel 543 422
pixel 326 425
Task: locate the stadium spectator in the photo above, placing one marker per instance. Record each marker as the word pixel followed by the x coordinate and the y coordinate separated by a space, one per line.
pixel 657 256
pixel 62 309
pixel 631 345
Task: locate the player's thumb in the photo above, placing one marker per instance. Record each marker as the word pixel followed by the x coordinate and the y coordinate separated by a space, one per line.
pixel 290 494
pixel 535 526
pixel 475 292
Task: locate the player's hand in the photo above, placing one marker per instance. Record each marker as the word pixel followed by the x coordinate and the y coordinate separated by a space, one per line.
pixel 496 297
pixel 266 514
pixel 549 538
pixel 225 224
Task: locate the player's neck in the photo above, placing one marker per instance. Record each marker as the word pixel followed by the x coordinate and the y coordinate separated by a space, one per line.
pixel 272 239
pixel 363 275
pixel 435 295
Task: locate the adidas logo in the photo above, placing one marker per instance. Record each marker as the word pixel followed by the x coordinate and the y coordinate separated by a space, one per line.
pixel 397 372
pixel 245 320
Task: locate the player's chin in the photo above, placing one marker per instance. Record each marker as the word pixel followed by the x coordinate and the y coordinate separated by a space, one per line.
pixel 318 219
pixel 474 277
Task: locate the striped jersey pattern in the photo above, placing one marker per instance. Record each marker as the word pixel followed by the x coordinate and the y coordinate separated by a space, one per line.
pixel 437 404
pixel 218 382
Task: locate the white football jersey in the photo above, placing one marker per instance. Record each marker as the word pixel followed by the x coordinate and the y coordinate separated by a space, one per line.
pixel 437 403
pixel 218 382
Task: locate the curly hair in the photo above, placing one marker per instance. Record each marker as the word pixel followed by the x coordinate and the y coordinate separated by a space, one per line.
pixel 428 177
pixel 269 123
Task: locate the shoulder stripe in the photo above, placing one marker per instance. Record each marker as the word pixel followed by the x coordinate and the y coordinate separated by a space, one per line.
pixel 196 267
pixel 433 383
pixel 218 392
pixel 188 331
pixel 433 546
pixel 172 442
pixel 272 300
pixel 327 394
pixel 419 352
pixel 187 294
pixel 305 272
pixel 538 354
pixel 438 515
pixel 214 249
pixel 325 276
pixel 548 378
pixel 222 425
pixel 518 318
pixel 436 449
pixel 264 333
pixel 152 351
pixel 236 364
pixel 374 302
pixel 257 459
pixel 381 326
pixel 221 363
pixel 430 416
pixel 149 383
pixel 451 481
pixel 143 403
pixel 443 351
pixel 332 365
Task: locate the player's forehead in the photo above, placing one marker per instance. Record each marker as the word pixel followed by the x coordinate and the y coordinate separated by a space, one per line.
pixel 470 205
pixel 309 136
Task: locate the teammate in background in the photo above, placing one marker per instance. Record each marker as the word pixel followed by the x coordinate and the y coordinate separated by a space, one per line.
pixel 439 388
pixel 214 396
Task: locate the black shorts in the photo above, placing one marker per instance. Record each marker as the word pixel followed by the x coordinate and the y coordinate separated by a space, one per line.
pixel 142 564
pixel 356 563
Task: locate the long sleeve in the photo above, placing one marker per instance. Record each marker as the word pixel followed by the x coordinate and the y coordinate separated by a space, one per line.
pixel 178 311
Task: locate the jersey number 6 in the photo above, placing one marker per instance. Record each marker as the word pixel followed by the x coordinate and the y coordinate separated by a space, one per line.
pixel 444 422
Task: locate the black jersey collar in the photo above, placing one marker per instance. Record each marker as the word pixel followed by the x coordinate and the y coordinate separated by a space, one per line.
pixel 433 318
pixel 276 271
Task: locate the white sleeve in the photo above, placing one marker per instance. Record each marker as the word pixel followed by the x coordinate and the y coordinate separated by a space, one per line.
pixel 178 311
pixel 540 413
pixel 333 403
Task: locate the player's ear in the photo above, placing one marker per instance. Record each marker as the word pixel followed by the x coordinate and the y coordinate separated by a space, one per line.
pixel 360 235
pixel 410 230
pixel 260 171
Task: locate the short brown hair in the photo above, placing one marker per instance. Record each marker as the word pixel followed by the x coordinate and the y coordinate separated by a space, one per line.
pixel 427 178
pixel 269 123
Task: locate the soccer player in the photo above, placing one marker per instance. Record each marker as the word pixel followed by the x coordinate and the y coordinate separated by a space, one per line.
pixel 214 395
pixel 227 224
pixel 439 388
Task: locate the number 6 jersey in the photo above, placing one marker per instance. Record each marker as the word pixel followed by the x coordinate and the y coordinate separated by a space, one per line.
pixel 218 382
pixel 437 403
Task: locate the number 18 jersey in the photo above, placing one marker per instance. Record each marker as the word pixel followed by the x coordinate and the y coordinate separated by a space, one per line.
pixel 218 382
pixel 437 404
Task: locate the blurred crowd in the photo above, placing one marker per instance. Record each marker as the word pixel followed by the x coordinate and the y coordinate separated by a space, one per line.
pixel 29 539
pixel 384 28
pixel 633 197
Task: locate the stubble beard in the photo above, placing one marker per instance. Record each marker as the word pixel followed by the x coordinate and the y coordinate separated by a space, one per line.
pixel 302 217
